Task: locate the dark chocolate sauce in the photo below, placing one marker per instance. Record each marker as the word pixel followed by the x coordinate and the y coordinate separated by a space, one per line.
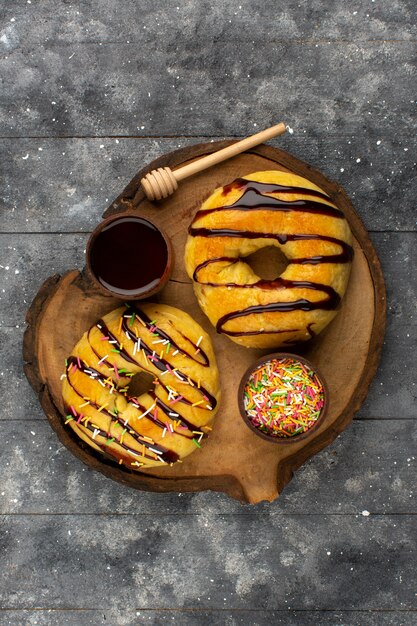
pixel 162 365
pixel 115 342
pixel 163 335
pixel 167 410
pixel 92 373
pixel 166 454
pixel 332 301
pixel 86 369
pixel 344 257
pixel 311 331
pixel 129 256
pixel 273 307
pixel 254 198
pixel 229 259
pixel 242 183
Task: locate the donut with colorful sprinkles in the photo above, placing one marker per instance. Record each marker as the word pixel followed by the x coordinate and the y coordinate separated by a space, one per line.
pixel 162 425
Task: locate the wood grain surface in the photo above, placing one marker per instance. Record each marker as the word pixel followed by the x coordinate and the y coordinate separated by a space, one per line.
pixel 233 460
pixel 91 92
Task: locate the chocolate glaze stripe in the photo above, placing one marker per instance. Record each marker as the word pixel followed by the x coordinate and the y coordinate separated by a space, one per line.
pixel 162 365
pixel 178 418
pixel 329 304
pixel 344 257
pixel 95 375
pixel 167 455
pixel 310 330
pixel 115 418
pixel 276 283
pixel 241 183
pixel 272 307
pixel 106 332
pixel 102 360
pixel 221 259
pixel 89 371
pixel 147 321
pixel 166 409
pixel 253 199
pixel 252 333
pixel 93 404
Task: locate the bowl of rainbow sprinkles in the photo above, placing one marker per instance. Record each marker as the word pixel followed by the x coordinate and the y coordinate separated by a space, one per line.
pixel 283 398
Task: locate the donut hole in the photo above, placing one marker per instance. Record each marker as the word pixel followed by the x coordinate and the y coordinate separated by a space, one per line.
pixel 268 263
pixel 140 383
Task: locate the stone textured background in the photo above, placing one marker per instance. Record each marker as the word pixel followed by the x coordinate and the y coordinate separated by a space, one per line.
pixel 92 91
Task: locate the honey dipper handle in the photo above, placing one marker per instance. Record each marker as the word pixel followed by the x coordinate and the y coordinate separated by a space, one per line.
pixel 227 153
pixel 162 182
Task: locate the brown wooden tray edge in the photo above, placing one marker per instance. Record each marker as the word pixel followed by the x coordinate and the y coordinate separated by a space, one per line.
pixel 226 483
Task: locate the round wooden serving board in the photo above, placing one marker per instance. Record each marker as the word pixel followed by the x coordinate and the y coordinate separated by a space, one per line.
pixel 233 459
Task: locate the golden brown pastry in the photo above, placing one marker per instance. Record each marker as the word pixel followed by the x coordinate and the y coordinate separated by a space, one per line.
pixel 279 209
pixel 166 423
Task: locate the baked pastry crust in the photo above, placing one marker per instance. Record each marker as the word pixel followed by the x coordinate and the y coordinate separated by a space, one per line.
pixel 162 425
pixel 269 208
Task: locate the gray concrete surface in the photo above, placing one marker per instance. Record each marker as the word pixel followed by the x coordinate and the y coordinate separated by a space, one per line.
pixel 92 91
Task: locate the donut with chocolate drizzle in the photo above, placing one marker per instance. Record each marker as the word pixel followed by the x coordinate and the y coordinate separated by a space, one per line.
pixel 162 425
pixel 271 208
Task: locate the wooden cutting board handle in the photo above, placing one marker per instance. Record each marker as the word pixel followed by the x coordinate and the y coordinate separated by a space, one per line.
pixel 162 182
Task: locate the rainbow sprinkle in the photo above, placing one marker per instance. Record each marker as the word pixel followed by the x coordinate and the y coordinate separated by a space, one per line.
pixel 283 398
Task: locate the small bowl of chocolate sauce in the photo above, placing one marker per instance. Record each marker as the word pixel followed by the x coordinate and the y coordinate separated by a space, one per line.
pixel 129 257
pixel 283 398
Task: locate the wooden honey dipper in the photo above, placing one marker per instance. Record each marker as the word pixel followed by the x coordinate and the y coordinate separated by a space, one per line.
pixel 162 182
